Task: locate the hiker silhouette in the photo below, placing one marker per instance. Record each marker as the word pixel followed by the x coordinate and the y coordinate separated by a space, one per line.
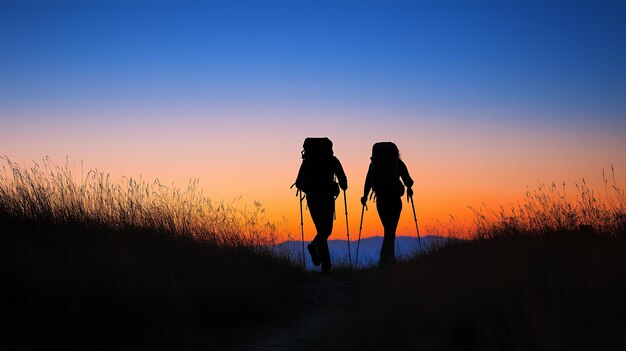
pixel 383 178
pixel 316 178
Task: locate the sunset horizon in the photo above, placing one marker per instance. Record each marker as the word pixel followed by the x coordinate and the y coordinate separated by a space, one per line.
pixel 484 102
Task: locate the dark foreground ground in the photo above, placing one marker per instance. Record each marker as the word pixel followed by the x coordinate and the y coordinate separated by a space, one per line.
pixel 559 291
pixel 324 303
pixel 74 286
pixel 79 287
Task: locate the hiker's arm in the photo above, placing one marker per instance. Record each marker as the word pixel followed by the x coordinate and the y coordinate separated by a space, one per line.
pixel 341 175
pixel 406 178
pixel 367 186
pixel 300 178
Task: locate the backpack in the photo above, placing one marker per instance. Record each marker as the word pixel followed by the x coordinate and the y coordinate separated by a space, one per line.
pixel 316 173
pixel 317 148
pixel 385 169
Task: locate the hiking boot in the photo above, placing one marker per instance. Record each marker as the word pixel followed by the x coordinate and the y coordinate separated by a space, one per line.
pixel 386 264
pixel 326 267
pixel 315 254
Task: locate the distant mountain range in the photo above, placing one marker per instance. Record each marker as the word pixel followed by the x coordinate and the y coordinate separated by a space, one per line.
pixel 369 249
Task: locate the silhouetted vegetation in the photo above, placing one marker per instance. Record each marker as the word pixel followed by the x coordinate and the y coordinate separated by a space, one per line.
pixel 558 291
pixel 547 275
pixel 90 264
pixel 57 194
pixel 552 209
pixel 97 265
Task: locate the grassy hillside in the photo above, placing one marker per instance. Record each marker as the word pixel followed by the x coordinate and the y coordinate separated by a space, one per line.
pixel 89 264
pixel 76 286
pixel 559 291
pixel 548 274
pixel 94 265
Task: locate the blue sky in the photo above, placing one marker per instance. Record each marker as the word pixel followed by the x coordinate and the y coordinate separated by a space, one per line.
pixel 563 55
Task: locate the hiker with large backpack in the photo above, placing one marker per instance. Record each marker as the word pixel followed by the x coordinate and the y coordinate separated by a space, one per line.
pixel 316 179
pixel 383 178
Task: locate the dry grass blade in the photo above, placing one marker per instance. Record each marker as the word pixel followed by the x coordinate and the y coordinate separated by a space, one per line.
pixel 51 193
pixel 551 209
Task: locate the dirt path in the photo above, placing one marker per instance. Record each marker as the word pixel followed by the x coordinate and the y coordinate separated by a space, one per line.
pixel 326 299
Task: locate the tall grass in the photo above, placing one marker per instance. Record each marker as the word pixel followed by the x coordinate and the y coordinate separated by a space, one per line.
pixel 553 209
pixel 87 263
pixel 56 194
pixel 546 273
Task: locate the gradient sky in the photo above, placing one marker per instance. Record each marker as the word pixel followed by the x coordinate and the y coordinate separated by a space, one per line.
pixel 484 99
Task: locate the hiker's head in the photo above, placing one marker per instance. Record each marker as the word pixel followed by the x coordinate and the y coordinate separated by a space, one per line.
pixel 384 150
pixel 317 148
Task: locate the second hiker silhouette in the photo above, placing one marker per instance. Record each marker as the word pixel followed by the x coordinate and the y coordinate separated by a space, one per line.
pixel 383 177
pixel 316 178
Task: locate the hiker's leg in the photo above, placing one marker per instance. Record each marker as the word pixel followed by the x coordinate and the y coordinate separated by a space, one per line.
pixel 322 213
pixel 316 210
pixel 389 209
pixel 322 244
pixel 329 215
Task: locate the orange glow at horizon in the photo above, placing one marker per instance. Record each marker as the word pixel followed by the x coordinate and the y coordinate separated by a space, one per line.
pixel 455 163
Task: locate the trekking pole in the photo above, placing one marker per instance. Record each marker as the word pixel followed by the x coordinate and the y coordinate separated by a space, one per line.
pixel 419 240
pixel 302 228
pixel 345 205
pixel 358 243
